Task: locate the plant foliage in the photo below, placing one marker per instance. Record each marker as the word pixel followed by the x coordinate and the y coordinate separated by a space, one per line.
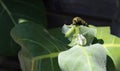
pixel 10 12
pixel 40 47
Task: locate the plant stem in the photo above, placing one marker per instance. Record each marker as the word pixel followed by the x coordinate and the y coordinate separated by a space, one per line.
pixel 70 31
pixel 77 30
pixel 7 10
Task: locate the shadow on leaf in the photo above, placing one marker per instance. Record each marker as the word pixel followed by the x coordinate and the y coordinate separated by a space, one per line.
pixel 110 64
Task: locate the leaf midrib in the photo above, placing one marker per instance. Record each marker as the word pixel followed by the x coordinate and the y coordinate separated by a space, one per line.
pixel 51 56
pixel 88 61
pixel 8 12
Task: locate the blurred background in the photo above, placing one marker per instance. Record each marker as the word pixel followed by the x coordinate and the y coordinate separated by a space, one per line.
pixel 96 12
pixel 59 12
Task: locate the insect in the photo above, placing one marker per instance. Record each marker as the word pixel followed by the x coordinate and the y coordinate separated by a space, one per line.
pixel 79 21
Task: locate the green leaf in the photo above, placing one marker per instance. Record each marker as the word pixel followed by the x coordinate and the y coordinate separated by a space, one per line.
pixel 112 46
pixel 56 32
pixel 78 58
pixel 10 12
pixel 39 49
pixel 88 33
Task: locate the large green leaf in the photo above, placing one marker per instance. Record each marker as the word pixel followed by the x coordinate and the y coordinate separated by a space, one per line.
pixel 10 12
pixel 111 44
pixel 78 58
pixel 82 58
pixel 39 48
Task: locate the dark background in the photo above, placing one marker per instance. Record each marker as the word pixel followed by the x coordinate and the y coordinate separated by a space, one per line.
pixel 59 12
pixel 96 12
